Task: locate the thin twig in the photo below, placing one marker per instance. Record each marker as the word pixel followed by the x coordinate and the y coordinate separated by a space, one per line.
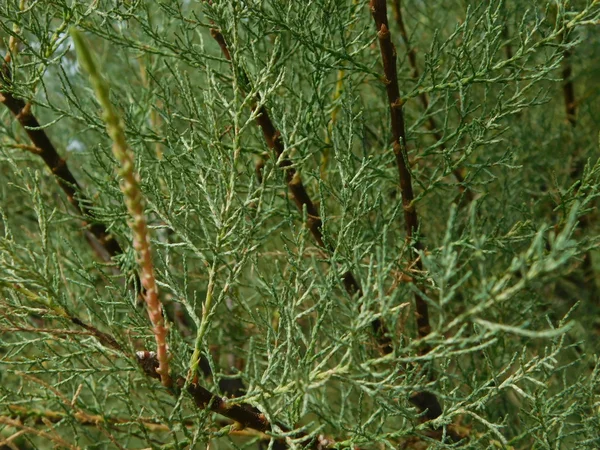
pixel 135 204
pixel 52 437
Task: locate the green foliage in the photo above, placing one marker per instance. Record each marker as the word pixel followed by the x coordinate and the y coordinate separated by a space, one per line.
pixel 506 255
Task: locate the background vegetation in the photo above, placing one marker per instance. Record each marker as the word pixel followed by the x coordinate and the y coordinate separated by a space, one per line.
pixel 333 272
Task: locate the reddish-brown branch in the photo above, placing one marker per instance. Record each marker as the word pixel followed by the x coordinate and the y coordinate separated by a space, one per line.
pixel 414 72
pixel 388 54
pixel 423 400
pixel 244 414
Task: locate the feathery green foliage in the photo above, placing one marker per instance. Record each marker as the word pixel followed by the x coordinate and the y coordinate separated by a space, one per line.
pixel 311 300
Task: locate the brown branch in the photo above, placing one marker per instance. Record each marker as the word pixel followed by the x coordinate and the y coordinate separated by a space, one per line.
pixel 247 416
pixel 431 123
pixel 568 88
pixel 294 181
pixel 57 165
pixel 388 54
pixel 424 400
pixel 302 198
pixel 244 414
pixel 71 404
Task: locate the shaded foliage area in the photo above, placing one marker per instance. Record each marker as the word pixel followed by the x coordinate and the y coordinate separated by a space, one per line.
pixel 371 224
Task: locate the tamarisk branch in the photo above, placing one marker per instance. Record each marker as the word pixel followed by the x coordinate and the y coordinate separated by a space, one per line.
pixel 302 199
pixel 423 400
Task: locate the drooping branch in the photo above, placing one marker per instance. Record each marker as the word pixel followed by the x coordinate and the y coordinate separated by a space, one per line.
pixel 246 415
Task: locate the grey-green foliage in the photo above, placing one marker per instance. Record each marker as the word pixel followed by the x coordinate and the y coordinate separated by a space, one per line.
pixel 513 310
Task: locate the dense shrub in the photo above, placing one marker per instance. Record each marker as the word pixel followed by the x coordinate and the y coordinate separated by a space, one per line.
pixel 340 223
